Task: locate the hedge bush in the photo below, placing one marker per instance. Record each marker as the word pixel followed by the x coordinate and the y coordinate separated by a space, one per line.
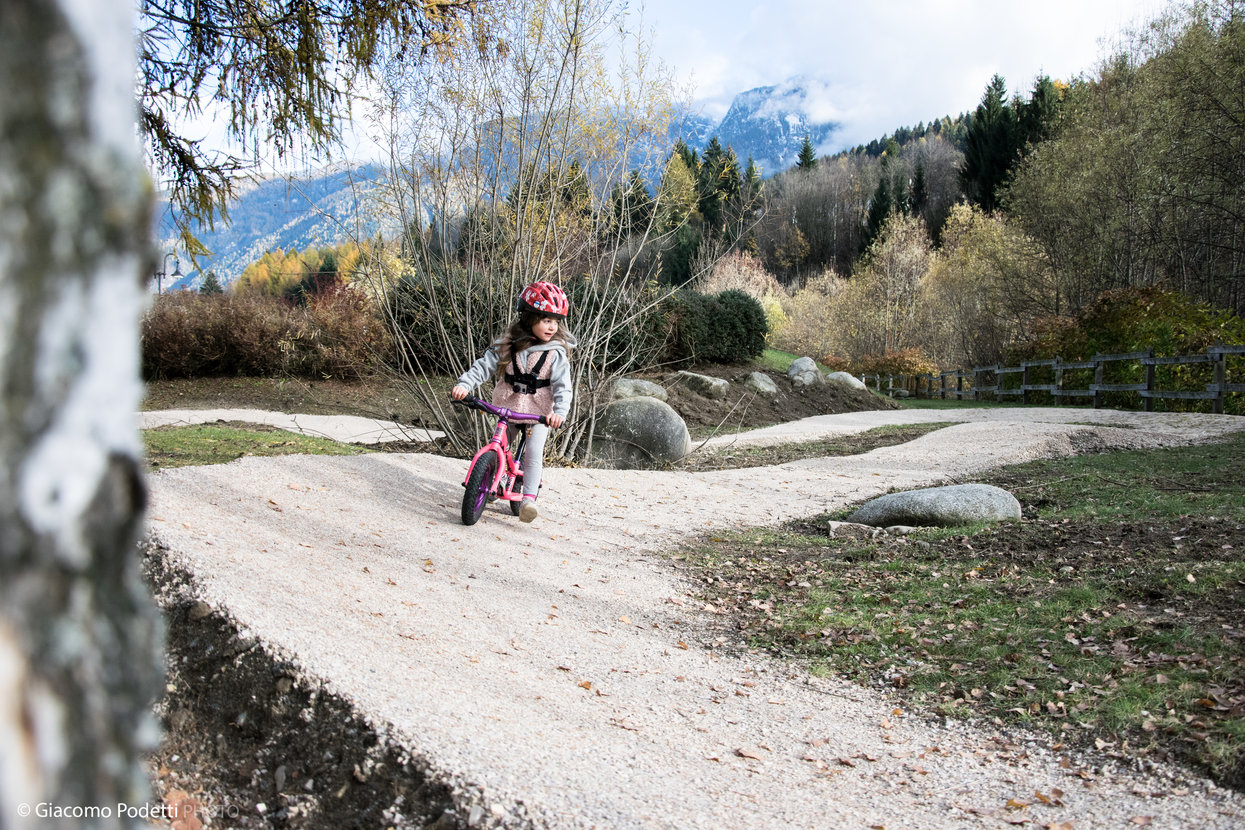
pixel 727 327
pixel 185 334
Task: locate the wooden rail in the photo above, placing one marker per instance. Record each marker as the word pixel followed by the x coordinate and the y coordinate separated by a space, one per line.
pixel 994 380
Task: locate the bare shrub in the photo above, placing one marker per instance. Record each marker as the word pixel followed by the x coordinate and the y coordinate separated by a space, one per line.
pixel 188 334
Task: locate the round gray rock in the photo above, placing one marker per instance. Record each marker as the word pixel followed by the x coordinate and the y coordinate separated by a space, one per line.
pixel 762 384
pixel 960 504
pixel 846 379
pixel 803 371
pixel 638 433
pixel 709 387
pixel 635 388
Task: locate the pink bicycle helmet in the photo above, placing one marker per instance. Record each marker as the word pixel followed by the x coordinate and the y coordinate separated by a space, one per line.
pixel 544 298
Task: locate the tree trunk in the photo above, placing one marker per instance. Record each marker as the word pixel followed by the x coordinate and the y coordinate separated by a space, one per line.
pixel 79 637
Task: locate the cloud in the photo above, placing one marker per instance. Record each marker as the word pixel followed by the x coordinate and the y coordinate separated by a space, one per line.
pixel 813 98
pixel 877 66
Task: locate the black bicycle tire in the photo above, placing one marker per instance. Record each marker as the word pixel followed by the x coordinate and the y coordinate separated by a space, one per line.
pixel 479 485
pixel 517 487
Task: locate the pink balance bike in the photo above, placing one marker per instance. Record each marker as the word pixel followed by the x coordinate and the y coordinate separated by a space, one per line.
pixel 494 473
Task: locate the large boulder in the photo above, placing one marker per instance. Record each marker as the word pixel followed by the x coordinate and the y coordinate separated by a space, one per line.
pixel 762 384
pixel 803 371
pixel 708 387
pixel 635 388
pixel 638 433
pixel 846 379
pixel 959 504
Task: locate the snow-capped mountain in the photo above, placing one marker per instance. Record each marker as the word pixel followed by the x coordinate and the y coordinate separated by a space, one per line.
pixel 769 123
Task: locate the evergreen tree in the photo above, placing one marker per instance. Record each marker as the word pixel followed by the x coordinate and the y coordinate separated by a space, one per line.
pixel 717 183
pixel 690 160
pixel 1038 115
pixel 808 156
pixel 990 149
pixel 879 208
pixel 211 284
pixel 919 199
pixel 633 206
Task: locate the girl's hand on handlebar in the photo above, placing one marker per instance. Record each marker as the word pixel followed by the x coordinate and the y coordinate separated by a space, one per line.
pixel 458 393
pixel 554 421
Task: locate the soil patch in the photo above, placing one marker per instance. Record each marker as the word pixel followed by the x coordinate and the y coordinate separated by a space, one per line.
pixel 250 742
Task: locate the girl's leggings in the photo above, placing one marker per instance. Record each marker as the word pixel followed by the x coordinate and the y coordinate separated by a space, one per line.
pixel 534 459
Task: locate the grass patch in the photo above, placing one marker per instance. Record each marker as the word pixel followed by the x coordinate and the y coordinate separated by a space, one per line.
pixel 732 458
pixel 776 360
pixel 186 446
pixel 952 403
pixel 1113 615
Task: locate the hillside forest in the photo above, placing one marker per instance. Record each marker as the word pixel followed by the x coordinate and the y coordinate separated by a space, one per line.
pixel 966 241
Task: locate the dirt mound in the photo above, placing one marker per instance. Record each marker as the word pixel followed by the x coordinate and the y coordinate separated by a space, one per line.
pixel 253 742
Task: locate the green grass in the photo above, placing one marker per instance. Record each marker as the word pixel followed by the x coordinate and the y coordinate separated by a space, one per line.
pixel 1113 618
pixel 209 444
pixel 951 403
pixel 779 361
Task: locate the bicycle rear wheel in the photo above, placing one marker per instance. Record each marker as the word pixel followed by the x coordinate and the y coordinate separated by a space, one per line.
pixel 479 485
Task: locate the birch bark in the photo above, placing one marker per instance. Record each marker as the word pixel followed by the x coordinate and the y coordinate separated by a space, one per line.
pixel 79 637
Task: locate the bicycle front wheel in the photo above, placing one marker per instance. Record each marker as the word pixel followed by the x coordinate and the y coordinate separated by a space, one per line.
pixel 479 484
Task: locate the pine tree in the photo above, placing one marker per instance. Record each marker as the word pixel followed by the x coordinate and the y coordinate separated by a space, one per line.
pixel 1038 115
pixel 990 148
pixel 919 199
pixel 211 284
pixel 880 207
pixel 808 156
pixel 717 182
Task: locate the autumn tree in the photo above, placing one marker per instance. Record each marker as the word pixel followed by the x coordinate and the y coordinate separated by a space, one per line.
pixel 1141 183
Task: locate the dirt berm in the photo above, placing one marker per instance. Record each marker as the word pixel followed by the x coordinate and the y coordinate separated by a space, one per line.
pixel 395 668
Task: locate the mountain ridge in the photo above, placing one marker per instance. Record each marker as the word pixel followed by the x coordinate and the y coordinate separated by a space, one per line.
pixel 767 124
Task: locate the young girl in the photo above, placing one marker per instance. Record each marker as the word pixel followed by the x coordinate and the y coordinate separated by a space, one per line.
pixel 532 368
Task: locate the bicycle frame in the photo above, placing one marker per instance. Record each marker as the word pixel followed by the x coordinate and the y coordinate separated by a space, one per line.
pixel 508 469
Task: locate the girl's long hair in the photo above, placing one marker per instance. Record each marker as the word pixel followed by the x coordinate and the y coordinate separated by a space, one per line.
pixel 519 338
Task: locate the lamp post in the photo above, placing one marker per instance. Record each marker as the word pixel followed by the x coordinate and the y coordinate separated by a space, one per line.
pixel 160 275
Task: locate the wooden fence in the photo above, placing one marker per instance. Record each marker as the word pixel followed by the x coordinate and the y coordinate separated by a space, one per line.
pixel 1059 378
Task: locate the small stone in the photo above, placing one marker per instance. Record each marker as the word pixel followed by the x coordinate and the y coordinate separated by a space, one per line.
pixel 198 611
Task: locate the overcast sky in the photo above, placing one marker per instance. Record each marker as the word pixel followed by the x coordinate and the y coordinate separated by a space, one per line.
pixel 877 65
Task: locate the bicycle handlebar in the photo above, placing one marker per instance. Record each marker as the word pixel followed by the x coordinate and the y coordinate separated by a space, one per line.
pixel 500 411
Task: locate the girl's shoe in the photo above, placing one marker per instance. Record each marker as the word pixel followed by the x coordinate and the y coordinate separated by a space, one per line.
pixel 527 510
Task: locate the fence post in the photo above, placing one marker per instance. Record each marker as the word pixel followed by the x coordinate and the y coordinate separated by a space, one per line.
pixel 1058 396
pixel 942 385
pixel 1150 374
pixel 1099 371
pixel 1221 380
pixel 959 384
